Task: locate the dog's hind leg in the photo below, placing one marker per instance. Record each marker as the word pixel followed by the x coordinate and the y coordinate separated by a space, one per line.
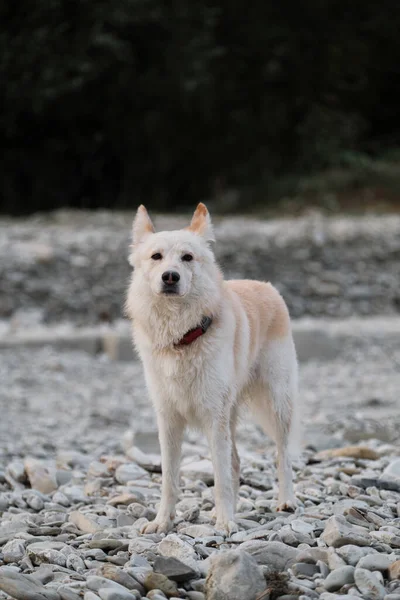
pixel 277 412
pixel 235 459
pixel 170 431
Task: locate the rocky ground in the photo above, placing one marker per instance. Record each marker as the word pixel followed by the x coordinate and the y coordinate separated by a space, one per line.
pixel 81 474
pixel 73 266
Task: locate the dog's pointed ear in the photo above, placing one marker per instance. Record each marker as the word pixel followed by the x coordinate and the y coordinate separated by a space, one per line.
pixel 142 225
pixel 201 223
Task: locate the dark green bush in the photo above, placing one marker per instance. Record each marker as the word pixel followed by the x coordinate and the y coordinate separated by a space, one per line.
pixel 113 103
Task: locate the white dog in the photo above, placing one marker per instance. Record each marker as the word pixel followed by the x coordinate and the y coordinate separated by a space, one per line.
pixel 208 346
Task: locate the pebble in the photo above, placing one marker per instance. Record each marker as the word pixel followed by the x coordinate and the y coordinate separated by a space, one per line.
pixel 89 523
pixel 159 581
pixel 201 469
pixel 13 551
pixel 276 555
pixel 353 554
pixel 111 594
pixel 394 571
pixel 235 575
pixel 42 475
pixel 376 562
pixel 172 545
pixel 339 532
pixel 368 584
pixel 130 472
pixel 47 552
pixel 338 578
pixel 174 569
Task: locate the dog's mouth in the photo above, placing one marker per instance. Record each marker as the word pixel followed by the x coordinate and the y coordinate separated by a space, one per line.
pixel 169 290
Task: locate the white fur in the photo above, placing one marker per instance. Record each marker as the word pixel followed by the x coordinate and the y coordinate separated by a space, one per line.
pixel 203 384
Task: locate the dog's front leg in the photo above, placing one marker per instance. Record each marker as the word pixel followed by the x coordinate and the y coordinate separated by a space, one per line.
pixel 170 431
pixel 221 451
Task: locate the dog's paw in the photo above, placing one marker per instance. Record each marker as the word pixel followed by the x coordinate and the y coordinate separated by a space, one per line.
pixel 288 506
pixel 226 528
pixel 157 526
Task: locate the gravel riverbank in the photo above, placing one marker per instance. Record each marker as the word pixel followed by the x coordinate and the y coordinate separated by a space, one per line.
pixel 80 474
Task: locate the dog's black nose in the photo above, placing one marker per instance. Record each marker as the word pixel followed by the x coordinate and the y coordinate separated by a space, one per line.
pixel 170 277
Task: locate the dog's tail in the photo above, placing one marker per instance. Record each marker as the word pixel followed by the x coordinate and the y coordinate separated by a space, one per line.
pixel 296 428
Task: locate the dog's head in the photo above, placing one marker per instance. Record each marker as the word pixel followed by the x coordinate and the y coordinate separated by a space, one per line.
pixel 174 264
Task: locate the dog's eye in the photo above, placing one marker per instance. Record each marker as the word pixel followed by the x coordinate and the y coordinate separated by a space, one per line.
pixel 187 257
pixel 156 256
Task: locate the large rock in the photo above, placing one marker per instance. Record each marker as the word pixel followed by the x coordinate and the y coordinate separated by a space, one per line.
pixel 234 575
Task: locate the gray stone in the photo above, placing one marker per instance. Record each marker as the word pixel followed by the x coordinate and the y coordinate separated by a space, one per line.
pixel 75 562
pixel 17 470
pixel 97 584
pixel 234 575
pixel 158 581
pixel 305 570
pixel 174 569
pixel 195 595
pixel 368 584
pixel 13 551
pixel 172 545
pixel 111 594
pixel 276 555
pixel 338 578
pixel 201 469
pixel 118 575
pixel 300 526
pixel 89 523
pixel 24 587
pixel 353 554
pixel 150 462
pixel 47 552
pixel 338 532
pixel 198 531
pixel 142 545
pixel 393 468
pixel 67 594
pixel 130 472
pixel 376 562
pixel 394 571
pixel 42 475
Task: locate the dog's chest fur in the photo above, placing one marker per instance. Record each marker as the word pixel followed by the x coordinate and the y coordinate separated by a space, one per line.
pixel 187 381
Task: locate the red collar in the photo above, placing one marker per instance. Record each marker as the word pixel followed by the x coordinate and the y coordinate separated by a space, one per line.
pixel 193 334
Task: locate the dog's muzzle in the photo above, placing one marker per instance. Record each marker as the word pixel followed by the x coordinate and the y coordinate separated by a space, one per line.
pixel 170 281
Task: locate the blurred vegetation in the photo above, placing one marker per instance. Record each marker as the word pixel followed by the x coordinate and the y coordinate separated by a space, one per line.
pixel 114 103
